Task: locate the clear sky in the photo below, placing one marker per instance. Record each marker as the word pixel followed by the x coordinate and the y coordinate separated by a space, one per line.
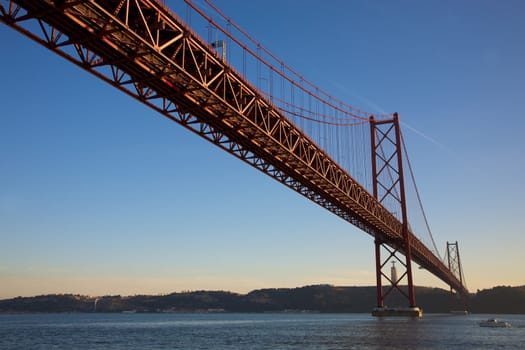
pixel 101 195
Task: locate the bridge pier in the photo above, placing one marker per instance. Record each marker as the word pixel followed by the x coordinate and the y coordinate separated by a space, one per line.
pixel 397 311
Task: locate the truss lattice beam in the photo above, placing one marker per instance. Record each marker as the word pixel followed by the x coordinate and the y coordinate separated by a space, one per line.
pixel 145 50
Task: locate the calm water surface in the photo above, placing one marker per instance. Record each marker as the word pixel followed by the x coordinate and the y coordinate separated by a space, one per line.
pixel 255 331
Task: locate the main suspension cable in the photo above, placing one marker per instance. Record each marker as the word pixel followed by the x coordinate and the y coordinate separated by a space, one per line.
pixel 419 197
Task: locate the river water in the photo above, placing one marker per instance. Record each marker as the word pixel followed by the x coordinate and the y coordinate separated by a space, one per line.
pixel 255 331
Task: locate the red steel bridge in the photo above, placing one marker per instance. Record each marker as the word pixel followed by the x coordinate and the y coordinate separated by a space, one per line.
pixel 232 91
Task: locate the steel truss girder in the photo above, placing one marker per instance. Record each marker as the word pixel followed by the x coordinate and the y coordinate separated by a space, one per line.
pixel 224 96
pixel 143 49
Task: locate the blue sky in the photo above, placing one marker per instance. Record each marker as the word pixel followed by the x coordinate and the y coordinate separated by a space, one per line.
pixel 101 195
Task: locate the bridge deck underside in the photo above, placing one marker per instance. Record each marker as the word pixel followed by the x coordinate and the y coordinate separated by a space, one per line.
pixel 146 51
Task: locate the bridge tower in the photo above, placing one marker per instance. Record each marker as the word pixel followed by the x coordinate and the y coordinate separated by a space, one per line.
pixel 459 300
pixel 389 189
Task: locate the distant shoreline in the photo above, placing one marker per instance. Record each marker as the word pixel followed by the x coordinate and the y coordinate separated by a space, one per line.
pixel 308 299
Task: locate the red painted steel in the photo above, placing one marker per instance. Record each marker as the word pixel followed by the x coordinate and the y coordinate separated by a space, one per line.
pixel 406 232
pixel 390 163
pixel 379 274
pixel 145 50
pixel 454 261
pixel 459 300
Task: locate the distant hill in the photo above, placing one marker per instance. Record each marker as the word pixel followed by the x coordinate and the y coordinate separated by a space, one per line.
pixel 499 300
pixel 317 298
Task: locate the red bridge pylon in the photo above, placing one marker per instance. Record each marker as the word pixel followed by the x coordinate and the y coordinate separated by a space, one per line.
pixel 459 300
pixel 389 189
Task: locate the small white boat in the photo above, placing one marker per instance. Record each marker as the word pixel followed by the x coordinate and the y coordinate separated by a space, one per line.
pixel 493 322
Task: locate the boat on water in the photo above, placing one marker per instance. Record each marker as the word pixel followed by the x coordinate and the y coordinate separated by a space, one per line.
pixel 493 322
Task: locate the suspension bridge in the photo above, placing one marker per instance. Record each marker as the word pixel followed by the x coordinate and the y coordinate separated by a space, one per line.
pixel 195 66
